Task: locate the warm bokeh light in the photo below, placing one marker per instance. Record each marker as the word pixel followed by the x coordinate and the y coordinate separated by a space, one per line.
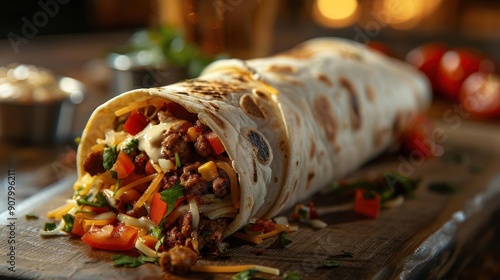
pixel 336 13
pixel 405 14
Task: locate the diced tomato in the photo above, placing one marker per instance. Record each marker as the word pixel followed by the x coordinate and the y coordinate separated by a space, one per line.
pixel 313 214
pixel 158 208
pixel 480 95
pixel 109 237
pixel 426 58
pixel 456 65
pixel 123 165
pixel 149 169
pixel 215 142
pixel 135 123
pixel 78 228
pixel 180 112
pixel 367 206
pixel 419 137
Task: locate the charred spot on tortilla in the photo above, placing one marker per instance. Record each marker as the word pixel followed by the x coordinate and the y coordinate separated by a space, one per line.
pixel 370 94
pixel 181 93
pixel 324 79
pixel 355 112
pixel 323 113
pixel 250 107
pixel 275 179
pixel 312 150
pixel 283 69
pixel 216 119
pixel 255 174
pixel 260 147
pixel 260 94
pixel 310 177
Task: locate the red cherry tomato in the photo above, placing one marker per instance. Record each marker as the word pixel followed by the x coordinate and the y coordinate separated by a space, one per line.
pixel 456 65
pixel 426 58
pixel 480 95
pixel 109 237
pixel 135 123
pixel 381 48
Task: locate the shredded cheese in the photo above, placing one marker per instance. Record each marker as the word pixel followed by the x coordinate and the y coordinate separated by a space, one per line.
pixel 235 188
pixel 61 210
pixel 134 184
pixel 235 269
pixel 247 237
pixel 153 188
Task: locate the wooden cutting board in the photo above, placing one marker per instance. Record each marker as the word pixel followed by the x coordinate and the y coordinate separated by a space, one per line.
pixel 430 235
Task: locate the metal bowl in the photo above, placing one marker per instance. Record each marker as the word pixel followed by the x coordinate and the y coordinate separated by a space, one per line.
pixel 41 123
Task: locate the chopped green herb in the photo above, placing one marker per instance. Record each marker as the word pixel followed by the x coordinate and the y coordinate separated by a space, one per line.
pixel 303 214
pixel 114 174
pixel 347 254
pixel 31 217
pixel 109 157
pixel 159 243
pixel 443 188
pixel 100 201
pixel 49 226
pixel 170 196
pixel 245 275
pixel 68 222
pixel 156 232
pixel 293 275
pixel 331 263
pixel 78 190
pixel 78 140
pixel 280 242
pixel 128 261
pixel 131 146
pixel 178 162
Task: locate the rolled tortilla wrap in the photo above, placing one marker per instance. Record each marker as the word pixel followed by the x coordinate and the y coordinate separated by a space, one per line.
pixel 291 123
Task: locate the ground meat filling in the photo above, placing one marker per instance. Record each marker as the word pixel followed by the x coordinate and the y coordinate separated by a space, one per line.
pixel 93 164
pixel 221 185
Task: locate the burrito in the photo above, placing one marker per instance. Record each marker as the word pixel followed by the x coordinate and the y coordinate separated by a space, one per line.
pixel 193 162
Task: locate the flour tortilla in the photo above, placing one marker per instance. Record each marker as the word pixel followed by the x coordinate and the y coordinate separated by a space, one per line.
pixel 294 122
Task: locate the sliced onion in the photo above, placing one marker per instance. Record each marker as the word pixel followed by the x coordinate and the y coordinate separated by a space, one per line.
pixel 109 195
pixel 214 206
pixel 281 220
pixel 139 245
pixel 166 165
pixel 315 223
pixel 105 216
pixel 393 203
pixel 193 208
pixel 221 211
pixel 177 213
pixel 142 222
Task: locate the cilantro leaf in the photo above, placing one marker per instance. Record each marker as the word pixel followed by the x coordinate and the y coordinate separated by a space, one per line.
pixel 49 226
pixel 293 275
pixel 443 188
pixel 280 242
pixel 156 232
pixel 170 196
pixel 31 217
pixel 245 275
pixel 331 263
pixel 131 146
pixel 109 157
pixel 128 261
pixel 178 162
pixel 68 222
pixel 100 201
